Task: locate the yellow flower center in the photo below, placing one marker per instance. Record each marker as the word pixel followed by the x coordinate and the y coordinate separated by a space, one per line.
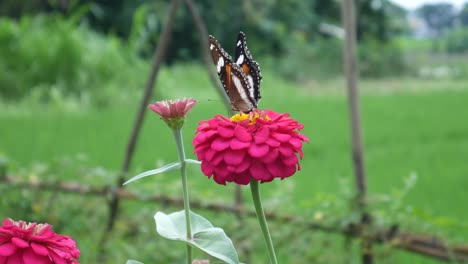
pixel 251 116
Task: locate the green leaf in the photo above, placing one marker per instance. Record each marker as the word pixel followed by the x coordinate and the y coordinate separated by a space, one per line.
pixel 166 168
pixel 193 161
pixel 131 261
pixel 210 239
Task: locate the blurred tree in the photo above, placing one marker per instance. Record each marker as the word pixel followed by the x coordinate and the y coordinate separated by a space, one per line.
pixel 111 16
pixel 439 16
pixel 272 27
pixel 463 15
pixel 379 19
pixel 17 8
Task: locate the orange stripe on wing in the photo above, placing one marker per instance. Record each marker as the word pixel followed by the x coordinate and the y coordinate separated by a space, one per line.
pixel 245 68
pixel 228 76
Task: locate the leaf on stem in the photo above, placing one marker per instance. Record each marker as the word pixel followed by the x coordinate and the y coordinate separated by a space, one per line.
pixel 205 236
pixel 193 161
pixel 166 168
pixel 131 261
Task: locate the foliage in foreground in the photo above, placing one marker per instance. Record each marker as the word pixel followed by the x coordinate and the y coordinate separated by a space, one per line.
pixel 83 217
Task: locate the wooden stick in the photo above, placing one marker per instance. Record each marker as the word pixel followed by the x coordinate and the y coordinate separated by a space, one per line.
pixel 350 68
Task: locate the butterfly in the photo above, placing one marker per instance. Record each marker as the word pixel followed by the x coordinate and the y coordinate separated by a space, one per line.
pixel 240 78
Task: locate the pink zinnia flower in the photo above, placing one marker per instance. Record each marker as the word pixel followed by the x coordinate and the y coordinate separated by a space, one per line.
pixel 24 243
pixel 262 145
pixel 173 112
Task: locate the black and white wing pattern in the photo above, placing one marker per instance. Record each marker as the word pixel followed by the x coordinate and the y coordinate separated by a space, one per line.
pixel 237 78
pixel 249 66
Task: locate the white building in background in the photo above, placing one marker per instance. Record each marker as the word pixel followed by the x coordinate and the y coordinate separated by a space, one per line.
pixel 419 28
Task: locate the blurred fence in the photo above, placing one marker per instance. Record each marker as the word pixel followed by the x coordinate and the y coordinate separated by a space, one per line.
pixel 423 244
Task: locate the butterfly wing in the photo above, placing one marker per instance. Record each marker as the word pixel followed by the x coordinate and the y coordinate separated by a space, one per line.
pixel 249 66
pixel 232 77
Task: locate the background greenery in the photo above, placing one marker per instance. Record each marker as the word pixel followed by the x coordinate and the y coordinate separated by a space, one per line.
pixel 71 76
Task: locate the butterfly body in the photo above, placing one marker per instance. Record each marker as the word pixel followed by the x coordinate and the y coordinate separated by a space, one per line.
pixel 240 78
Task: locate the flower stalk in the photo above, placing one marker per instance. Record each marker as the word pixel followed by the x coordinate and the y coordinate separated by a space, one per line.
pixel 180 149
pixel 262 220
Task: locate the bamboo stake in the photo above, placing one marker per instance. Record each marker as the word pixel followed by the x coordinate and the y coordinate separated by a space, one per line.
pixel 350 68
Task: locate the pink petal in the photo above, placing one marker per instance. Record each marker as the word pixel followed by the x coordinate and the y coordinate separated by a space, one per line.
pixel 160 109
pixel 7 249
pixel 273 142
pixel 205 136
pixel 303 138
pixel 221 172
pixel 258 151
pixel 289 171
pixel 262 135
pixel 219 180
pixel 276 169
pixel 242 134
pixel 30 257
pixel 296 143
pixel 237 144
pixel 7 222
pixel 281 137
pixel 226 132
pixel 231 168
pixel 188 107
pixel 243 179
pixel 286 150
pixel 201 150
pixel 179 107
pixel 243 166
pixel 57 259
pixel 301 154
pixel 209 154
pixel 234 157
pixel 39 249
pixel 217 159
pixel 260 172
pixel 220 144
pixel 20 243
pixel 207 169
pixel 290 160
pixel 16 258
pixel 281 170
pixel 221 176
pixel 271 155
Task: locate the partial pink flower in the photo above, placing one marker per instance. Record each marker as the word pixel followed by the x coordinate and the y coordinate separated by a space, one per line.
pixel 24 243
pixel 262 146
pixel 173 112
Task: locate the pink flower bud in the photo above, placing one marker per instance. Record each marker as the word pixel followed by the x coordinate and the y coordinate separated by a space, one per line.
pixel 173 112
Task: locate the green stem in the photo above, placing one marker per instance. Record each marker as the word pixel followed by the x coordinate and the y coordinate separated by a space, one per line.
pixel 180 148
pixel 262 220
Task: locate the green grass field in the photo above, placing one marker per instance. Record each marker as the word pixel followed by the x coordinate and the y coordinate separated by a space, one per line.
pixel 410 127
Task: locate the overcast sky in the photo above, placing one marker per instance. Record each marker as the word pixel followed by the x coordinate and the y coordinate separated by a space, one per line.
pixel 412 4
